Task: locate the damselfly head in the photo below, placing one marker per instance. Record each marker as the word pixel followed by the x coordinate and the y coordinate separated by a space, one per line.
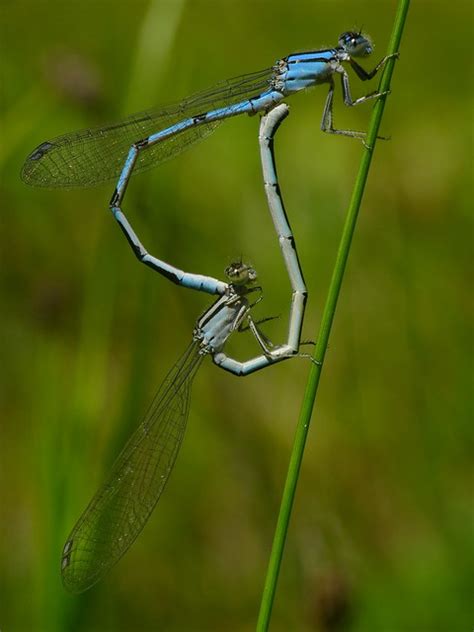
pixel 240 273
pixel 356 44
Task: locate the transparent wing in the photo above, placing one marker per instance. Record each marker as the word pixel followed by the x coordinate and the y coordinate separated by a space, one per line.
pixel 119 510
pixel 93 156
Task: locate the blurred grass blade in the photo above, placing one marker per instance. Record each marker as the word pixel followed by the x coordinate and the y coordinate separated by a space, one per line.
pixel 152 51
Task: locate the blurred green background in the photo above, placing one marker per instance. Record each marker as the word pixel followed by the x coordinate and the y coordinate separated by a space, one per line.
pixel 381 536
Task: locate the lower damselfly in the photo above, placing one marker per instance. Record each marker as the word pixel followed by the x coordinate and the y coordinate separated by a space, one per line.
pixel 119 510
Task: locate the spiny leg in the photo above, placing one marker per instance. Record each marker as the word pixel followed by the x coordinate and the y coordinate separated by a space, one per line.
pixel 327 119
pixel 346 91
pixel 364 75
pixel 260 321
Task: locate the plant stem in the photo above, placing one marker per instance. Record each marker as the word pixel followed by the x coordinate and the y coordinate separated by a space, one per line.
pixel 326 324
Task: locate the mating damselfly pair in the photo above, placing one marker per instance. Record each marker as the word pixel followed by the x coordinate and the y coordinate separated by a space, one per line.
pixel 121 507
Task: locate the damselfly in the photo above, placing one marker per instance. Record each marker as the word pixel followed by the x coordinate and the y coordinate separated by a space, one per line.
pixel 121 507
pixel 92 156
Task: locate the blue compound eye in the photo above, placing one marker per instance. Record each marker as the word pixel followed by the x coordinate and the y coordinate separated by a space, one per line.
pixel 355 44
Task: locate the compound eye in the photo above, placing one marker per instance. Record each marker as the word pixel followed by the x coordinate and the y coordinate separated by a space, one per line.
pixel 230 271
pixel 344 39
pixel 236 273
pixel 252 275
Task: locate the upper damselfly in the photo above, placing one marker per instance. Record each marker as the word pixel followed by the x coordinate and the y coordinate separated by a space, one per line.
pixel 93 156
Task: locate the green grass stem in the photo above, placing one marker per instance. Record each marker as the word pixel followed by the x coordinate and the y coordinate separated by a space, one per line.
pixel 325 330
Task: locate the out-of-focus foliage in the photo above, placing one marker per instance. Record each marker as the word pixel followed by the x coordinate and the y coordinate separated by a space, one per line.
pixel 382 530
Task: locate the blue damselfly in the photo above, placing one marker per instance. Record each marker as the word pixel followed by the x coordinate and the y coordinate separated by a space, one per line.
pixel 121 507
pixel 92 156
